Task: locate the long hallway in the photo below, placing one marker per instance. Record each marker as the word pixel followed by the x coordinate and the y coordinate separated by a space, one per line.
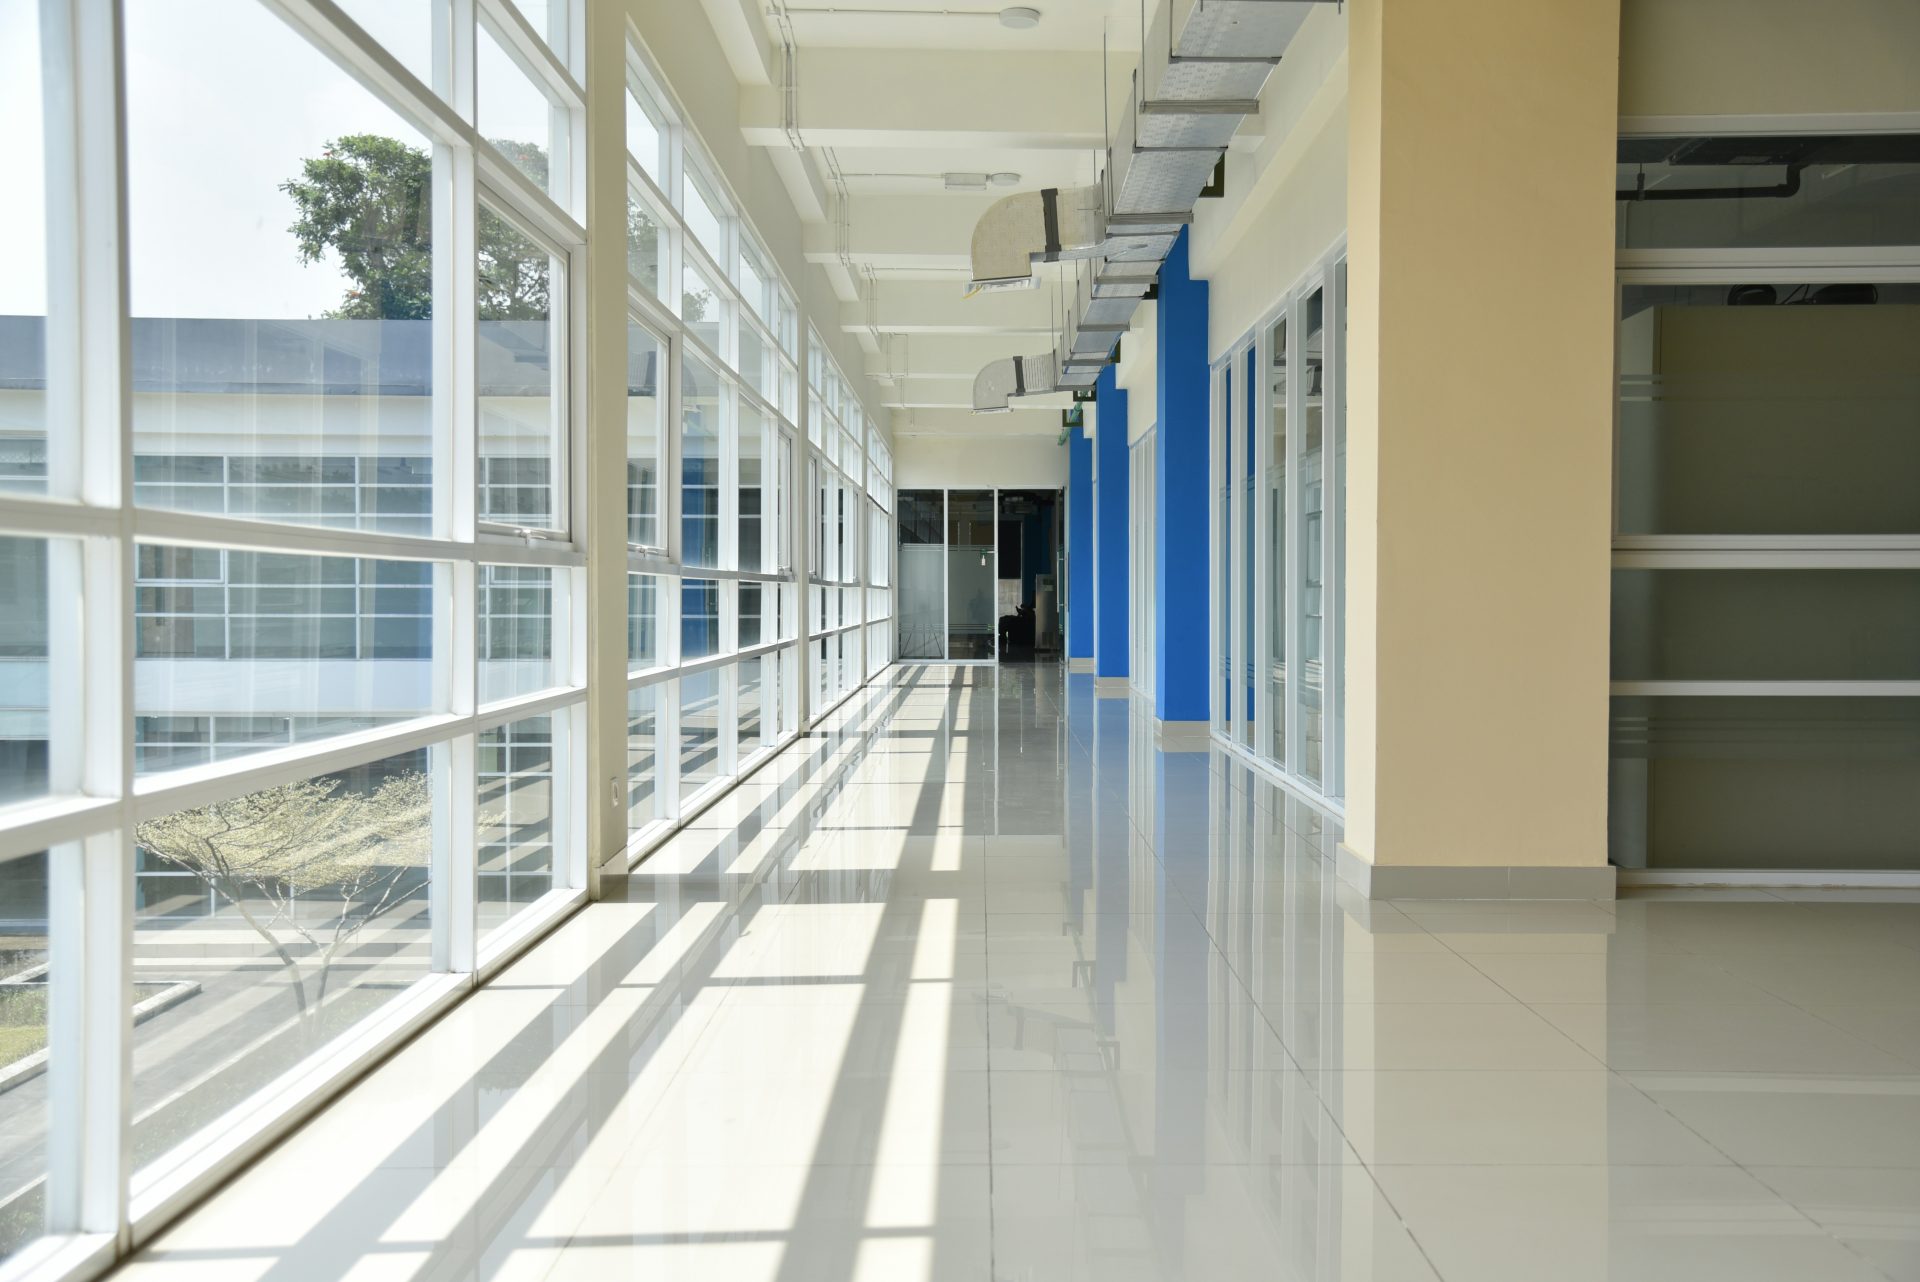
pixel 974 983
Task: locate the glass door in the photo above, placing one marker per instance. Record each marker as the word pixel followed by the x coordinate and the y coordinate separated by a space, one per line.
pixel 922 577
pixel 972 575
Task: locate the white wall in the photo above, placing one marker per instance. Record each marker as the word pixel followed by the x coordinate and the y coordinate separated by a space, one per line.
pixel 1285 205
pixel 979 462
pixel 1139 367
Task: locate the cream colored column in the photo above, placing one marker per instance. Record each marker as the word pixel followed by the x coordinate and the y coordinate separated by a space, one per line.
pixel 606 410
pixel 1480 345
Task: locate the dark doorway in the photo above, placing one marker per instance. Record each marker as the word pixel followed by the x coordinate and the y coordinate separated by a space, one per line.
pixel 1028 591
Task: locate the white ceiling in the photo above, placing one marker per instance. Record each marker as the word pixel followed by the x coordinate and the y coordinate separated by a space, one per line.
pixel 924 24
pixel 889 102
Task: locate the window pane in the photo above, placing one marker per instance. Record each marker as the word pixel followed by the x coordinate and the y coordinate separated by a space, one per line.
pixel 1743 410
pixel 755 360
pixel 644 403
pixel 1744 191
pixel 701 211
pixel 23 254
pixel 753 444
pixel 699 618
pixel 643 763
pixel 280 228
pixel 645 137
pixel 24 931
pixel 752 628
pixel 517 782
pixel 291 914
pixel 404 27
pixel 783 556
pixel 699 464
pixel 520 420
pixel 747 720
pixel 700 306
pixel 1312 603
pixel 699 731
pixel 646 247
pixel 643 621
pixel 548 17
pixel 516 116
pixel 25 726
pixel 756 283
pixel 237 652
pixel 515 629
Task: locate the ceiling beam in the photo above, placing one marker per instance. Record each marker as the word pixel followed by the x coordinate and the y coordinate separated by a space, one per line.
pixel 939 98
pixel 942 307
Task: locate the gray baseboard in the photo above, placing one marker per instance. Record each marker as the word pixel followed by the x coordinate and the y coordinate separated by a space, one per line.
pixel 1079 665
pixel 1111 687
pixel 1420 881
pixel 1181 736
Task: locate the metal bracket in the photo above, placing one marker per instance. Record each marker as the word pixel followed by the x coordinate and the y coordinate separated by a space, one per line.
pixel 1201 107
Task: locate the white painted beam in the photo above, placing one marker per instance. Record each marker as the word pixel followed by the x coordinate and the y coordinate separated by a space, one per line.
pixel 939 307
pixel 742 33
pixel 1026 420
pixel 927 98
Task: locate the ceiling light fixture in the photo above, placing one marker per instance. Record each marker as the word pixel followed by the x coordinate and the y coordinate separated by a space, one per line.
pixel 1020 18
pixel 1004 179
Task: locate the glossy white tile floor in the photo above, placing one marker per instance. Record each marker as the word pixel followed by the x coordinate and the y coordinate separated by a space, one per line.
pixel 979 986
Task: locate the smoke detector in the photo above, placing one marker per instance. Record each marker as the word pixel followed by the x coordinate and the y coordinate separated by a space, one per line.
pixel 1020 18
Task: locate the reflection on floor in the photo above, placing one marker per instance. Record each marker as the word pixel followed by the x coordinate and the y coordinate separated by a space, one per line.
pixel 981 986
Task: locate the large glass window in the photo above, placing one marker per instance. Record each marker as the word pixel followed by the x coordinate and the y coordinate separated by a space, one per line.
pixel 516 808
pixel 1278 516
pixel 700 729
pixel 520 391
pixel 280 278
pixel 700 427
pixel 1279 545
pixel 329 328
pixel 750 501
pixel 317 890
pixel 516 115
pixel 646 398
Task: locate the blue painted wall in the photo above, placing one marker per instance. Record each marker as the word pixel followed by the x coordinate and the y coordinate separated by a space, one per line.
pixel 1111 533
pixel 1080 555
pixel 1180 498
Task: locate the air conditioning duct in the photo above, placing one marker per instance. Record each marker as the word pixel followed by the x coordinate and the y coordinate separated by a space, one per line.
pixel 1207 62
pixel 1045 226
pixel 1015 376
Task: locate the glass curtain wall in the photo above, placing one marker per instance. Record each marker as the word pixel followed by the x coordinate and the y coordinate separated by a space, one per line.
pixel 291 721
pixel 840 587
pixel 292 687
pixel 879 552
pixel 1766 563
pixel 1279 535
pixel 713 398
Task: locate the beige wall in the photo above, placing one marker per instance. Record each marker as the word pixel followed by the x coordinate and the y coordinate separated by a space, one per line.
pixel 979 462
pixel 1481 359
pixel 1768 57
